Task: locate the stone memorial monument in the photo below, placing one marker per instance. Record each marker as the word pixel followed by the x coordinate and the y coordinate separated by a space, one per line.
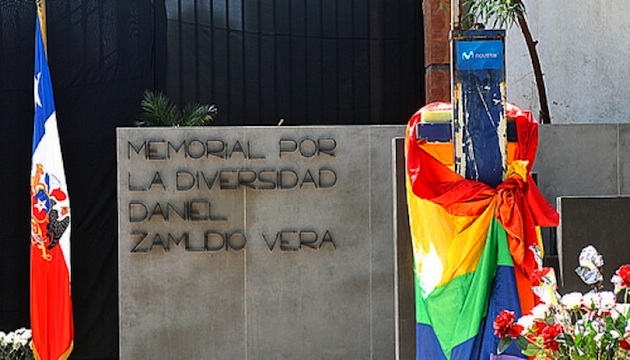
pixel 256 242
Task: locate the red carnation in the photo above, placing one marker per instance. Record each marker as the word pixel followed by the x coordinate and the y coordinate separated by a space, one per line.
pixel 504 325
pixel 538 327
pixel 516 330
pixel 624 344
pixel 536 277
pixel 624 273
pixel 549 335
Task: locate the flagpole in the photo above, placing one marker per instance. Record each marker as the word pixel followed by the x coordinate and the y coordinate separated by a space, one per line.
pixel 41 12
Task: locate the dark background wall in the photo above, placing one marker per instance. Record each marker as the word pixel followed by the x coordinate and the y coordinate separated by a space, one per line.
pixel 308 62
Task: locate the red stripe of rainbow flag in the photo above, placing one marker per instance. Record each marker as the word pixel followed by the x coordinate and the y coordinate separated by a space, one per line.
pixel 473 244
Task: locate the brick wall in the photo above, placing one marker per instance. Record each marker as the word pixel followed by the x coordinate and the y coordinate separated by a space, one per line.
pixel 437 25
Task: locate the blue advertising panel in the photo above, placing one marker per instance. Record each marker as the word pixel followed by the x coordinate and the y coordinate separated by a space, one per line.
pixel 479 55
pixel 478 105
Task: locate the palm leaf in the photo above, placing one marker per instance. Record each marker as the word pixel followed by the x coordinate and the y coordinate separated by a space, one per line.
pixel 497 13
pixel 198 115
pixel 158 110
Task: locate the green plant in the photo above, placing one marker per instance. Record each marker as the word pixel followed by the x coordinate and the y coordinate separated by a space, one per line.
pixel 494 13
pixel 158 110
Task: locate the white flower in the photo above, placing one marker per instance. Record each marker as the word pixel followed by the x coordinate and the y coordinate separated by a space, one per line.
pixel 617 281
pixel 590 300
pixel 607 300
pixel 10 338
pixel 540 311
pixel 572 300
pixel 16 339
pixel 622 309
pixel 628 326
pixel 614 334
pixel 526 321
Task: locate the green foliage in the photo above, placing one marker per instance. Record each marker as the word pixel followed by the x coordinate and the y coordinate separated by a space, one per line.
pixel 530 350
pixel 493 13
pixel 198 115
pixel 503 344
pixel 488 13
pixel 521 342
pixel 158 110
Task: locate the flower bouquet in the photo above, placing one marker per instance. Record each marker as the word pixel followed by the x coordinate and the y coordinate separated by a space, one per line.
pixel 16 345
pixel 574 326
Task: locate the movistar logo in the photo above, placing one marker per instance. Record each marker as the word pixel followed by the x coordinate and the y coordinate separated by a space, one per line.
pixel 472 55
pixel 477 55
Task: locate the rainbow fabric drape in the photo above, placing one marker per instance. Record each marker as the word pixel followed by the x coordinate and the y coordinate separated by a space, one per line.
pixel 475 247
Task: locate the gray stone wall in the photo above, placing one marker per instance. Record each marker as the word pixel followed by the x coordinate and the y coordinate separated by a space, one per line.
pixel 586 168
pixel 583 160
pixel 583 53
pixel 256 243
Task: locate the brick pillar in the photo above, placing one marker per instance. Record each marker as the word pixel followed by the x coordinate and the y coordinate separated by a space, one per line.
pixel 437 58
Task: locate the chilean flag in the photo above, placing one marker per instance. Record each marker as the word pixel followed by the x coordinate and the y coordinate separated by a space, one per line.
pixel 51 304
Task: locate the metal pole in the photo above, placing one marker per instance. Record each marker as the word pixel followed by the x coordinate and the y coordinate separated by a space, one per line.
pixel 455 14
pixel 41 13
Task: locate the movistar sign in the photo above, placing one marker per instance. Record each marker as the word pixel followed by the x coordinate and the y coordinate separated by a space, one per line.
pixel 478 55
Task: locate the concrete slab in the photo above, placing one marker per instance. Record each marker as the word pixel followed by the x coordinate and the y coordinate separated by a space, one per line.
pixel 598 221
pixel 293 258
pixel 577 160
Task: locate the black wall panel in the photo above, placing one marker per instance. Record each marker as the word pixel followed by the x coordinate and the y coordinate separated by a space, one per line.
pixel 307 61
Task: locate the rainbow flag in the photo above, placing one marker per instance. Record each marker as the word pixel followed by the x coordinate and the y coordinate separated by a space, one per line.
pixel 475 247
pixel 51 304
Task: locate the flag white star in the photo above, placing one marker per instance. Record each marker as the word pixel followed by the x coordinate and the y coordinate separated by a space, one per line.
pixel 41 205
pixel 38 101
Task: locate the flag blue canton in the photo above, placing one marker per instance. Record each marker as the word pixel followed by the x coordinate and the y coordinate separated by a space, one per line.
pixel 44 101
